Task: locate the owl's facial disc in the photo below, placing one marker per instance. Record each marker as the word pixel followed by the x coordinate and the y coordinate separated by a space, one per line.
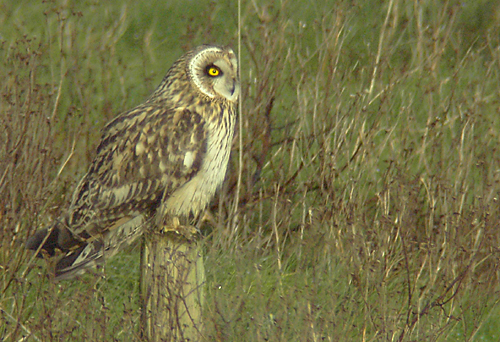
pixel 225 83
pixel 214 71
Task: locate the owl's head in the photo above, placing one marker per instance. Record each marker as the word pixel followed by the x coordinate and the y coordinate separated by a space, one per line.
pixel 214 72
pixel 208 73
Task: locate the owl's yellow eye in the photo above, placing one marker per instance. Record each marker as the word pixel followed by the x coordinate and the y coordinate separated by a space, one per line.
pixel 213 71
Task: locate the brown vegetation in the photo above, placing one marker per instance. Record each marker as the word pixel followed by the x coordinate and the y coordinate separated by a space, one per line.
pixel 363 197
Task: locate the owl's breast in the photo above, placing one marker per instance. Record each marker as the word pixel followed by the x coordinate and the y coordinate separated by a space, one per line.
pixel 196 194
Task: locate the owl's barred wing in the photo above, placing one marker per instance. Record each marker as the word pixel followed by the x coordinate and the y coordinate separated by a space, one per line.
pixel 94 251
pixel 144 155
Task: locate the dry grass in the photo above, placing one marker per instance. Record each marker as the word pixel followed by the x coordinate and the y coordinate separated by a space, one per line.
pixel 369 203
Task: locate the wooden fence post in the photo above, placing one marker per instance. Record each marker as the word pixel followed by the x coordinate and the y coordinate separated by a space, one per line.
pixel 172 281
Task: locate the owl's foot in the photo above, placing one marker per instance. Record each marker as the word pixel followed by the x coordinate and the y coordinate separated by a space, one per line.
pixel 187 232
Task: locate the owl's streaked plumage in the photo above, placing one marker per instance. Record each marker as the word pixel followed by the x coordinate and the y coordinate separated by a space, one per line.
pixel 156 164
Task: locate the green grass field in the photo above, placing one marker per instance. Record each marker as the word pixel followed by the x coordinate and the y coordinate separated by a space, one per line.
pixel 368 153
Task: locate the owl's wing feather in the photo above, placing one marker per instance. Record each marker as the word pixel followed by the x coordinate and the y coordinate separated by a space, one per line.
pixel 144 155
pixel 94 251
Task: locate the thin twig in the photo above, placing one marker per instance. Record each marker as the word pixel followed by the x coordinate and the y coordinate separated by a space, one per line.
pixel 379 52
pixel 67 159
pixel 16 321
pixel 240 130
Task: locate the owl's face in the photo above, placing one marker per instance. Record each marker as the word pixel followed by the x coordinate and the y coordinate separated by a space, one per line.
pixel 214 71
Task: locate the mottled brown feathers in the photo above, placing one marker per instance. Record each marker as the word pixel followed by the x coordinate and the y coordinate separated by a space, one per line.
pixel 163 159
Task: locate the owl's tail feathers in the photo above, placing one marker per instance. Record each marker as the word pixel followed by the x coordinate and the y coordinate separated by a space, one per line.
pixel 77 254
pixel 40 236
pixel 95 251
pixel 76 257
pixel 56 240
pixel 77 261
pixel 53 239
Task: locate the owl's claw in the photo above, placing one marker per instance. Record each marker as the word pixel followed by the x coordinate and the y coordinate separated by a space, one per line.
pixel 188 232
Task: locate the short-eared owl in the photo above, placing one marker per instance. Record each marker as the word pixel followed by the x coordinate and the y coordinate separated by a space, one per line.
pixel 163 160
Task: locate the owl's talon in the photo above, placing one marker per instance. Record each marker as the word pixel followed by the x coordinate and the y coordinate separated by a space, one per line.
pixel 189 233
pixel 186 231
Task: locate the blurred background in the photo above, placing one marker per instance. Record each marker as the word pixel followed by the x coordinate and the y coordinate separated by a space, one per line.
pixel 362 200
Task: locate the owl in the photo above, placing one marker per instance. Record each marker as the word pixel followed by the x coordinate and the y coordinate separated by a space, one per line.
pixel 158 165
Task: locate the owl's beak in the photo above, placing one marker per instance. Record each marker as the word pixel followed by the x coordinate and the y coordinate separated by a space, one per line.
pixel 233 89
